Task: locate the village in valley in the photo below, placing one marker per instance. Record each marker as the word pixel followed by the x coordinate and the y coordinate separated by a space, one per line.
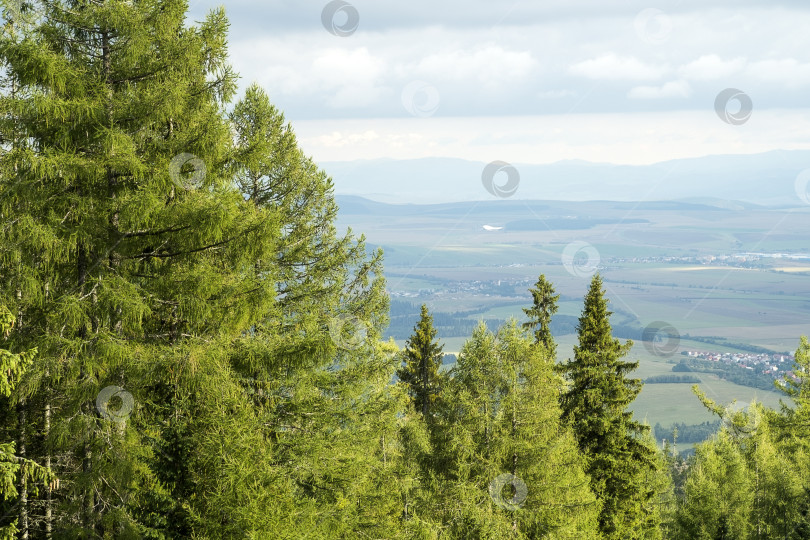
pixel 776 365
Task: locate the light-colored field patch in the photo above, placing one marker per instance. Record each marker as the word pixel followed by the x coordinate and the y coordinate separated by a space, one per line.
pixel 678 268
pixel 670 403
pixel 758 332
pixel 470 249
pixel 791 269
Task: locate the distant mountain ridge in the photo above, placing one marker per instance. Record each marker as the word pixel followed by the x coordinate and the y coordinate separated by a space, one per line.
pixel 590 211
pixel 763 179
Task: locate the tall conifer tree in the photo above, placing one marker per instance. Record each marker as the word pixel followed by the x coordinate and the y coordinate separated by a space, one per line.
pixel 797 418
pixel 595 406
pixel 318 376
pixel 129 259
pixel 422 360
pixel 15 470
pixel 544 306
pixel 503 426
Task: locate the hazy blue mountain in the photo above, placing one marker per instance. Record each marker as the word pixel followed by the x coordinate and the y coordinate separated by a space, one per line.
pixel 768 178
pixel 362 206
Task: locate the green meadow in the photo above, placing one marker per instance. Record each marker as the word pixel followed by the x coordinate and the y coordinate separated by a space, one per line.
pixel 674 269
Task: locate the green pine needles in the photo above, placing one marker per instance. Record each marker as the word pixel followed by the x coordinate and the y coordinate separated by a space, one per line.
pixel 595 406
pixel 191 349
pixel 422 360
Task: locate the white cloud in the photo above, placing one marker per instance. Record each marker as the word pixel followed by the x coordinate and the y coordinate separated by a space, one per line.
pixel 672 89
pixel 353 75
pixel 339 77
pixel 340 139
pixel 529 65
pixel 788 72
pixel 637 138
pixel 711 67
pixel 613 67
pixel 555 94
pixel 488 65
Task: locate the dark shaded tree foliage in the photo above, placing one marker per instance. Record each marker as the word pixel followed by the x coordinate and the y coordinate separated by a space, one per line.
pixel 595 406
pixel 422 360
pixel 544 306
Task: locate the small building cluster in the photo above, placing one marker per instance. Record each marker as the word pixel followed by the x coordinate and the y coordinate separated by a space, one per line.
pixel 774 365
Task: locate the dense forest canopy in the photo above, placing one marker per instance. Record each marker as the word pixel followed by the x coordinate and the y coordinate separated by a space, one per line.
pixel 191 349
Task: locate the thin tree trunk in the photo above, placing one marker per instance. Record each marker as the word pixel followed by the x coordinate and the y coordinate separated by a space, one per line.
pixel 22 522
pixel 514 453
pixel 47 434
pixel 49 492
pixel 756 495
pixel 112 182
pixel 87 496
pixel 425 390
pixel 81 279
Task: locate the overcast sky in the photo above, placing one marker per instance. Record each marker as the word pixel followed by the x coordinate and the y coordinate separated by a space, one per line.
pixel 528 81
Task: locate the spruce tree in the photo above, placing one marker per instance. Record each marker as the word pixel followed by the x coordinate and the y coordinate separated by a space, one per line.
pixel 423 435
pixel 544 306
pixel 595 406
pixel 421 363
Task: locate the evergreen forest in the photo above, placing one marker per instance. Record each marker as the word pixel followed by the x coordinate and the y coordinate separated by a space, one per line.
pixel 190 348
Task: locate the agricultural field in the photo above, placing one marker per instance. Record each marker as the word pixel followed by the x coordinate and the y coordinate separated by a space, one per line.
pixel 699 269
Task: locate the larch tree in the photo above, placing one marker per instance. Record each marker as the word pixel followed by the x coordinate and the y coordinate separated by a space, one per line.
pixel 718 493
pixel 796 418
pixel 741 483
pixel 15 470
pixel 313 364
pixel 544 306
pixel 659 509
pixel 775 467
pixel 595 405
pixel 792 429
pixel 129 257
pixel 514 471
